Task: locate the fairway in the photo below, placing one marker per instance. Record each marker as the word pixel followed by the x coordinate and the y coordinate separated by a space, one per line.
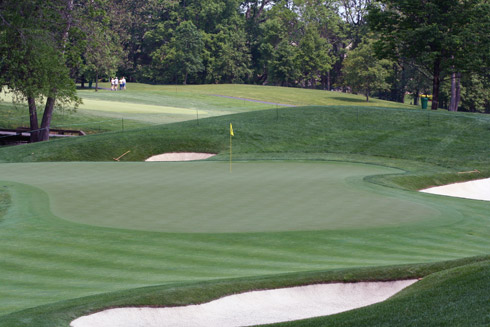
pixel 206 197
pixel 80 228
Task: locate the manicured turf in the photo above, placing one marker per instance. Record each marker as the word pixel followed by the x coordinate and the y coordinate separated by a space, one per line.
pixel 47 259
pixel 205 197
pixel 62 237
pixel 453 297
pixel 454 293
pixel 144 104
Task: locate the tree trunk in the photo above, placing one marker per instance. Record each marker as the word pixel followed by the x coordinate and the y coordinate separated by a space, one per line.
pixel 329 81
pixel 452 104
pixel 455 92
pixel 436 83
pixel 458 90
pixel 34 124
pixel 416 98
pixel 46 122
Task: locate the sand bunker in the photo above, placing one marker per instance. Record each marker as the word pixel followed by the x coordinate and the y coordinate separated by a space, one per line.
pixel 180 156
pixel 476 190
pixel 252 308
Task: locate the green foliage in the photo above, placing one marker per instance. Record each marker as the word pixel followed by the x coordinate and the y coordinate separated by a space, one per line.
pixel 31 52
pixel 313 56
pixel 363 72
pixel 440 35
pixel 475 94
pixel 227 56
pixel 181 56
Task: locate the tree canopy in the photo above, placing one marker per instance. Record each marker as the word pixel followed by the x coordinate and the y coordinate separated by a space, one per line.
pixel 48 46
pixel 443 36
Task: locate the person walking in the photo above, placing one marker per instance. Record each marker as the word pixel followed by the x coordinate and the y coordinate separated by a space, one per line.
pixel 122 86
pixel 116 84
pixel 112 83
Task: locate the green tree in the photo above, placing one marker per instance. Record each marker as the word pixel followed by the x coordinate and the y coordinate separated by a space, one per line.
pixel 313 56
pixel 475 93
pixel 184 53
pixel 283 66
pixel 102 52
pixel 363 72
pixel 33 54
pixel 354 13
pixel 324 15
pixel 443 35
pixel 227 58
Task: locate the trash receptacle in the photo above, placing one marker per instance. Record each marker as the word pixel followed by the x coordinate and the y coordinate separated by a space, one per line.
pixel 424 101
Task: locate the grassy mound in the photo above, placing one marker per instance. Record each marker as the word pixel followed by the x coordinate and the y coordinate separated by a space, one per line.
pixel 145 105
pixel 453 297
pixel 452 293
pixel 431 143
pixel 46 259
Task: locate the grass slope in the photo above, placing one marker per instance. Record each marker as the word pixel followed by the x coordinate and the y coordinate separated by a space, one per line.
pixel 45 259
pixel 141 105
pixel 453 297
pixel 435 144
pixel 451 282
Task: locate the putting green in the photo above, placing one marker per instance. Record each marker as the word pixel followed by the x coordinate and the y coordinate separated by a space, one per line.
pixel 206 197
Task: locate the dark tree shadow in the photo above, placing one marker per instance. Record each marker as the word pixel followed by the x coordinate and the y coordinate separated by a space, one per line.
pixel 349 100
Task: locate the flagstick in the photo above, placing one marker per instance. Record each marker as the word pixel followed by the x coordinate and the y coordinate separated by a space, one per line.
pixel 230 151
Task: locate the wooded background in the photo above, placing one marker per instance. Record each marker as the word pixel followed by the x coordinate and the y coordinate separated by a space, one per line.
pixel 386 49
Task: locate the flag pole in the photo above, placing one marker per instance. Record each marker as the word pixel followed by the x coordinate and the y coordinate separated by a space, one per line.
pixel 231 136
pixel 231 152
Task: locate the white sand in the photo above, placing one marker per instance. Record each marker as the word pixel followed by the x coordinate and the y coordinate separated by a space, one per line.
pixel 252 308
pixel 180 156
pixel 476 190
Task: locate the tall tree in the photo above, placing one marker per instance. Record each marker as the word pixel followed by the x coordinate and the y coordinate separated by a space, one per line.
pixel 435 33
pixel 354 13
pixel 183 54
pixel 325 16
pixel 34 54
pixel 313 56
pixel 365 73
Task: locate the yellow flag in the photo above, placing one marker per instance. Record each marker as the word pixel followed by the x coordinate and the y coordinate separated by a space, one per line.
pixel 231 130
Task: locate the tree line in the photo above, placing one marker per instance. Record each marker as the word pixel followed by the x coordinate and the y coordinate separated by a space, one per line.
pixel 386 48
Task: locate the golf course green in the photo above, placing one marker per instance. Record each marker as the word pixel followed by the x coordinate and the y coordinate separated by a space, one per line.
pixel 205 197
pixel 316 194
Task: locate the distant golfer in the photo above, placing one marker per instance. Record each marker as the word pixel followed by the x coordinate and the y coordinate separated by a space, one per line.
pixel 122 85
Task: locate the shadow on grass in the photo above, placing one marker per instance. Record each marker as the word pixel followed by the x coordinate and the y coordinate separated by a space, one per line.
pixel 349 100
